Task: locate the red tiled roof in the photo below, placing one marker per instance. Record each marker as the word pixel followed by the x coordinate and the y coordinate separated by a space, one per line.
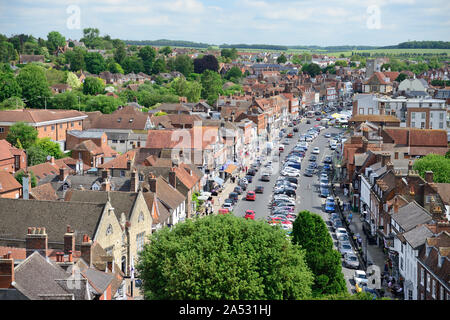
pixel 8 182
pixel 120 162
pixel 38 115
pixel 44 192
pixel 182 138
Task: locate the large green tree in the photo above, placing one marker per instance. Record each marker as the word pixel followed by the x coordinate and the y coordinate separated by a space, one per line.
pixel 7 52
pixel 36 155
pixel 207 62
pixel 440 165
pixel 184 64
pixel 190 89
pixel 312 69
pixel 281 59
pixel 75 58
pixel 212 86
pixel 95 63
pixel 223 257
pixel 19 175
pixel 120 53
pixel 55 40
pixel 93 86
pixel 9 86
pixel 22 135
pixel 50 147
pixel 147 54
pixel 234 74
pixel 311 233
pixel 132 64
pixel 34 85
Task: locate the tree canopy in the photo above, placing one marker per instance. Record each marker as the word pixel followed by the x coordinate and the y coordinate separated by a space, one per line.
pixel 93 86
pixel 223 257
pixel 207 62
pixel 22 135
pixel 440 165
pixel 34 85
pixel 311 233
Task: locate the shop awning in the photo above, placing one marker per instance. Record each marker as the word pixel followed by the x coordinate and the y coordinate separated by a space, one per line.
pixel 218 180
pixel 231 168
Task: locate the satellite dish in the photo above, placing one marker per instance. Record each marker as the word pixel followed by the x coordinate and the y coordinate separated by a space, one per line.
pixel 49 157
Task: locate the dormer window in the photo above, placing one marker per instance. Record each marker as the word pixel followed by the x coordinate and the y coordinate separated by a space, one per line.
pixel 119 119
pixel 109 230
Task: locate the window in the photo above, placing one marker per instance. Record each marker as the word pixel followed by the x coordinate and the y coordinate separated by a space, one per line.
pixel 45 128
pixel 79 123
pixel 422 276
pixel 53 128
pixel 109 250
pixel 428 284
pixel 413 115
pixel 122 141
pixel 441 116
pixel 441 125
pixel 141 217
pixel 114 141
pixel 2 129
pixel 401 262
pixel 109 230
pixel 423 115
pixel 60 126
pixel 441 293
pixel 122 173
pixel 431 115
pixel 410 295
pixel 72 124
pixel 140 241
pixel 433 291
pixel 422 125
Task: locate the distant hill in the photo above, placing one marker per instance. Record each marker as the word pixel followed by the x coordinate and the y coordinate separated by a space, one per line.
pixel 191 44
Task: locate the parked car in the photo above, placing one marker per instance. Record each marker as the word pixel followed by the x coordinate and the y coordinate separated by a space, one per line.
pixel 351 260
pixel 238 190
pixel 223 211
pixel 251 196
pixel 360 276
pixel 338 224
pixel 295 129
pixel 345 248
pixel 234 196
pixel 259 189
pixel 341 233
pixel 281 148
pixel 249 178
pixel 265 177
pixel 250 214
pixel 251 172
pixel 309 172
pixel 313 158
pixel 228 206
pixel 324 192
pixel 329 207
pixel 316 150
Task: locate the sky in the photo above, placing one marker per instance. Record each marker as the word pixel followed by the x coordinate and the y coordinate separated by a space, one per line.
pixel 278 22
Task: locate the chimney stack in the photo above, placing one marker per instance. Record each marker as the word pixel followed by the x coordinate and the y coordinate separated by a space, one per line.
pixel 429 176
pixel 410 166
pixel 63 173
pixel 173 178
pixel 396 205
pixel 106 185
pixel 52 161
pixel 36 240
pixel 86 252
pixel 152 183
pixel 386 158
pixel 128 165
pixel 6 271
pixel 69 241
pixel 70 256
pixel 389 166
pixel 134 182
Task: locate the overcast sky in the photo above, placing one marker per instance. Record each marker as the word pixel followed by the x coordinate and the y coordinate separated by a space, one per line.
pixel 283 22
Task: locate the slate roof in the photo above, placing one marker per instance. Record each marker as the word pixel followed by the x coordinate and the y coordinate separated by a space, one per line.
pixel 44 192
pixel 120 201
pixel 53 215
pixel 411 215
pixel 417 236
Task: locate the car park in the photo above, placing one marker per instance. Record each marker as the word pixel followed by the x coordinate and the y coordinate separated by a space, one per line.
pixel 351 260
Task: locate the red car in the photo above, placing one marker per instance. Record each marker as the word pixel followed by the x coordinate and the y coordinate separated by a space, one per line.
pixel 250 214
pixel 251 195
pixel 318 119
pixel 290 135
pixel 281 149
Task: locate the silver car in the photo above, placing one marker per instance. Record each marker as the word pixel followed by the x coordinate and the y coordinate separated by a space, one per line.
pixel 345 247
pixel 351 261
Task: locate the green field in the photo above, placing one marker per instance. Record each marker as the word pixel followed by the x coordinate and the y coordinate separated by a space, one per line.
pixel 393 51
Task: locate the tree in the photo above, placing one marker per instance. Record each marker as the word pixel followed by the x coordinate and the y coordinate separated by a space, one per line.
pixel 68 100
pixel 401 77
pixel 75 58
pixel 440 165
pixel 229 53
pixel 7 52
pixel 341 63
pixel 281 59
pixel 207 62
pixel 50 148
pixel 234 74
pixel 104 104
pixel 296 59
pixel 120 53
pixel 311 233
pixel 240 259
pixel 212 85
pixel 22 135
pixel 132 64
pixel 91 36
pixel 312 69
pixel 159 66
pixel 147 54
pixel 447 155
pixel 55 76
pixel 184 64
pixel 55 40
pixel 9 86
pixel 165 50
pixel 19 175
pixel 114 67
pixel 73 81
pixel 34 85
pixel 95 63
pixel 93 86
pixel 36 155
pixel 190 89
pixel 12 103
